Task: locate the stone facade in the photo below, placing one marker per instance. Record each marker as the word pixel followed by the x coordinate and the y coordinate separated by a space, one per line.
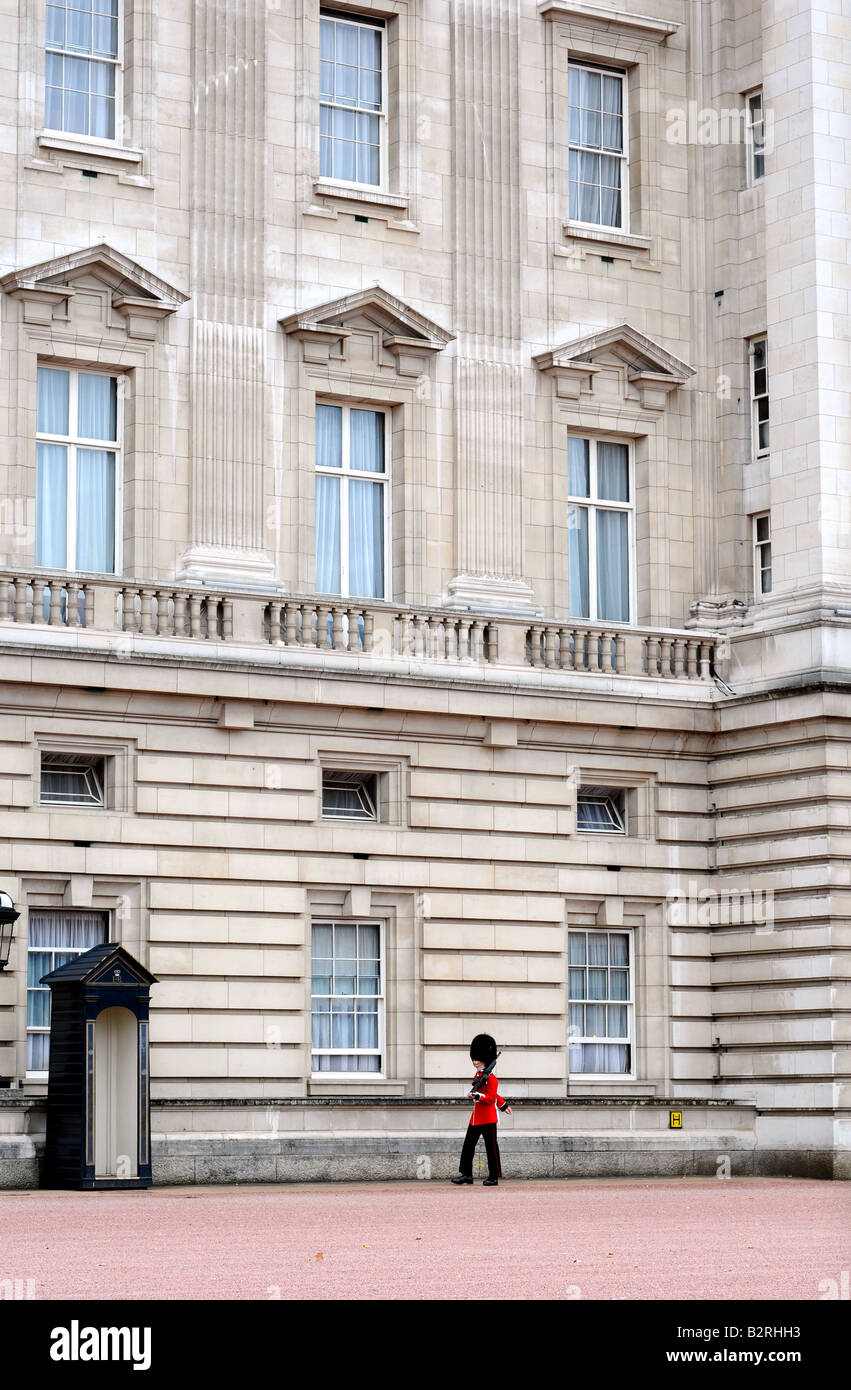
pixel 205 260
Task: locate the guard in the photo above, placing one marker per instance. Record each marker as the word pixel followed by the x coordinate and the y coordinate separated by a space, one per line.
pixel 483 1121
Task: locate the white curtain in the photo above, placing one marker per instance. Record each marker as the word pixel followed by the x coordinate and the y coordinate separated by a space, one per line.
pixel 52 403
pixel 577 526
pixel 592 815
pixel 66 931
pixel 612 471
pixel 578 466
pixel 327 534
pixel 366 539
pixel 612 1058
pixel 95 511
pixel 329 454
pixel 612 566
pixel 51 501
pixel 367 441
pixel 96 406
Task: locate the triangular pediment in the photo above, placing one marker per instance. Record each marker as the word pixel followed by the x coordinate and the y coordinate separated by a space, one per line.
pixel 107 964
pixel 622 345
pixel 371 307
pixel 128 281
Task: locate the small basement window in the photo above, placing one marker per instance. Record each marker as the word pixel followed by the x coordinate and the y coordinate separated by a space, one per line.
pixel 350 795
pixel 601 808
pixel 71 779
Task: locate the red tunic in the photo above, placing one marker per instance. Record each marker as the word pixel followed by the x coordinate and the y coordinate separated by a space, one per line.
pixel 484 1111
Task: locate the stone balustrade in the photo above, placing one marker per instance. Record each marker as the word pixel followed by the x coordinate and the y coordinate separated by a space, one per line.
pixel 98 603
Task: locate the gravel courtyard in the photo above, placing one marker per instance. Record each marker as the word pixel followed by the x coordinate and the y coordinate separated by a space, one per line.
pixel 694 1238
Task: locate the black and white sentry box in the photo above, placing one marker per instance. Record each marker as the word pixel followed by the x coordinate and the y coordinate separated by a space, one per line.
pixel 98 1089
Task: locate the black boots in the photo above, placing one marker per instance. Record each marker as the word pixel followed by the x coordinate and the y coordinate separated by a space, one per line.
pixel 491 1182
pixel 461 1179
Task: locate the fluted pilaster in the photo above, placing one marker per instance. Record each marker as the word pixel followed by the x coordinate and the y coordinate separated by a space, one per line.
pixel 228 252
pixel 488 369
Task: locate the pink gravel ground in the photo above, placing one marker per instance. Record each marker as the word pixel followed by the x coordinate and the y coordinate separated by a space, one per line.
pixel 693 1238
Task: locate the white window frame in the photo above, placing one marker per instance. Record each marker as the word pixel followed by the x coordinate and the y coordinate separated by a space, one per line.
pixel 346 473
pixel 118 62
pixel 377 24
pixel 381 1050
pixel 629 1002
pixel 756 451
pixel 62 950
pixel 73 442
pixel 100 779
pixel 622 73
pixel 752 147
pixel 349 776
pixel 593 504
pixel 600 793
pixel 761 555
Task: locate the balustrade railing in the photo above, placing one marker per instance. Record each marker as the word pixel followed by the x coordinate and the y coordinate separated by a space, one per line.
pixel 100 603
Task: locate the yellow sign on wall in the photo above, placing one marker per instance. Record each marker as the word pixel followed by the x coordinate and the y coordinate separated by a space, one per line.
pixel 676 1119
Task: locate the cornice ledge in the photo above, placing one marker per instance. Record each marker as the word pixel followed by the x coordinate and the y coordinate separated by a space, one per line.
pixel 646 26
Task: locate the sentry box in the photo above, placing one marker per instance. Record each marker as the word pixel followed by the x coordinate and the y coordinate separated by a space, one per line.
pixel 98 1089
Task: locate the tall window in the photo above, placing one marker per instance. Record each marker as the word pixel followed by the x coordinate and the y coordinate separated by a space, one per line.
pixel 351 501
pixel 347 997
pixel 600 1002
pixel 759 397
pixel 76 470
pixel 54 938
pixel 83 72
pixel 762 553
pixel 599 529
pixel 755 136
pixel 352 99
pixel 597 155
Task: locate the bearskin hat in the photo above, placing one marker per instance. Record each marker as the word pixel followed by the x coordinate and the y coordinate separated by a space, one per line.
pixel 483 1048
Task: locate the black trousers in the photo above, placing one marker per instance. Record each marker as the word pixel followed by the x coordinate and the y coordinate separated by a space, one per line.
pixel 471 1139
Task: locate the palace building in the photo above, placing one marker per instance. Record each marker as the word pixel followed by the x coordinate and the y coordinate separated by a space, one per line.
pixel 425 574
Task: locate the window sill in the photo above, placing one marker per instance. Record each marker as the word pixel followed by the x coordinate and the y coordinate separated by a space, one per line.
pixel 357 193
pixel 606 236
pixel 75 806
pixel 82 145
pixel 393 207
pixel 356 1083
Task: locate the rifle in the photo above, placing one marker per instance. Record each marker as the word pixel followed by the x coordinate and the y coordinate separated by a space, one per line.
pixel 474 1092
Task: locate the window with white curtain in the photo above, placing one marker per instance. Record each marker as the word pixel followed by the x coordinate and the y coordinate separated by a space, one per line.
pixel 597 140
pixel 601 808
pixel 352 484
pixel 77 473
pixel 352 98
pixel 55 938
pixel 600 1002
pixel 83 67
pixel 600 529
pixel 348 795
pixel 347 1026
pixel 72 779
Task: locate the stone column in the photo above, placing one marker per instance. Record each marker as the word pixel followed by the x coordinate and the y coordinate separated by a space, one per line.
pixel 489 364
pixel 228 285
